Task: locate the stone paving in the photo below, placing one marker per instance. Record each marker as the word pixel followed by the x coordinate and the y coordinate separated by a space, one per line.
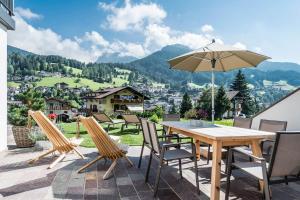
pixel 19 180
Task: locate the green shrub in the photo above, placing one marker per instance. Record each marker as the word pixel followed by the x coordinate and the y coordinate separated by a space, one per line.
pixel 154 118
pixel 190 114
pixel 17 115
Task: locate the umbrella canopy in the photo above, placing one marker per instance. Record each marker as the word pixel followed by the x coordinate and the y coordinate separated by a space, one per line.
pixel 216 57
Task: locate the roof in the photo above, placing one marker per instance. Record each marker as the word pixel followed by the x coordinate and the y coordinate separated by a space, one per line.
pixel 231 94
pixel 110 91
pixel 280 100
pixel 56 99
pixel 61 83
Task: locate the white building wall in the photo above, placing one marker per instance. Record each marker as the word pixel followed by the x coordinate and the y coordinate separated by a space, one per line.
pixel 286 110
pixel 3 88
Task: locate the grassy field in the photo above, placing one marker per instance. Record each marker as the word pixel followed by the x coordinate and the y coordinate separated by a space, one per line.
pixel 129 136
pixel 75 70
pixel 51 81
pixel 13 84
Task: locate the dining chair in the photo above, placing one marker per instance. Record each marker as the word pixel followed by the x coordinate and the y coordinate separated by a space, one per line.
pixel 147 140
pixel 270 126
pixel 284 165
pixel 166 152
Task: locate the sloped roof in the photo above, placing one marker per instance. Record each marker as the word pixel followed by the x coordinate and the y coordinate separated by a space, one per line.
pixel 231 94
pixel 109 91
pixel 280 100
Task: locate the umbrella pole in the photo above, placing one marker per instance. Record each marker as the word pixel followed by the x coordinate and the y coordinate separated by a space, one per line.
pixel 213 63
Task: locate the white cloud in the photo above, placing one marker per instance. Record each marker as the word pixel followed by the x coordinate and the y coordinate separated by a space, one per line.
pixel 240 45
pixel 132 17
pixel 157 36
pixel 207 28
pixel 27 13
pixel 95 38
pixel 258 49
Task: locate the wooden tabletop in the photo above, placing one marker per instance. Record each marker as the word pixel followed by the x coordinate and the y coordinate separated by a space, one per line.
pixel 217 132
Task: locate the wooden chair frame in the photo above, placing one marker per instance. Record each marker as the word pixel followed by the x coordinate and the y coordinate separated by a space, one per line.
pixel 107 148
pixel 56 137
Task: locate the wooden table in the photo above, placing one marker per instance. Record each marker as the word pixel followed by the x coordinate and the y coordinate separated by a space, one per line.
pixel 218 136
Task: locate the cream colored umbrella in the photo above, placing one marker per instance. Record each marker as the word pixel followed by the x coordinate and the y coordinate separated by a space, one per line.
pixel 216 57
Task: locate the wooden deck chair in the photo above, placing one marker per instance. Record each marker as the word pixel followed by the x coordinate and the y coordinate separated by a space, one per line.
pixel 107 147
pixel 59 141
pixel 131 119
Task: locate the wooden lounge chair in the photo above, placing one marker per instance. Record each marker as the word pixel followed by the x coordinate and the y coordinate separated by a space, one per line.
pixel 284 165
pixel 104 118
pixel 131 120
pixel 107 147
pixel 59 141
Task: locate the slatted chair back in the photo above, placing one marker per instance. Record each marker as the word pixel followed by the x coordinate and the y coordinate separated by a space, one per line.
pixel 145 131
pixel 131 119
pixel 55 136
pixel 272 125
pixel 285 159
pixel 102 117
pixel 171 117
pixel 242 122
pixel 153 136
pixel 105 145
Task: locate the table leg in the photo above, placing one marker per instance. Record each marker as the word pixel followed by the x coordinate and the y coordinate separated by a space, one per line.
pixel 197 145
pixel 257 152
pixel 216 170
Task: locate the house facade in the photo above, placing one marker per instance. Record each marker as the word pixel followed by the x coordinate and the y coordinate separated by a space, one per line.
pixel 6 24
pixel 286 109
pixel 61 108
pixel 114 100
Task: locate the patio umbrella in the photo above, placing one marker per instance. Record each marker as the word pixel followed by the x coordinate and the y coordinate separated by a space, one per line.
pixel 216 57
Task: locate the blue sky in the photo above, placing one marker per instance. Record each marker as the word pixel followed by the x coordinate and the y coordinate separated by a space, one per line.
pixel 88 29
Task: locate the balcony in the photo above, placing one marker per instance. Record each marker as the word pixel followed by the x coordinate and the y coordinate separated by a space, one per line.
pixel 58 108
pixel 127 101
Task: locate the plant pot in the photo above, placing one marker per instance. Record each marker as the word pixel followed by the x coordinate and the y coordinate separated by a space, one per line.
pixel 22 136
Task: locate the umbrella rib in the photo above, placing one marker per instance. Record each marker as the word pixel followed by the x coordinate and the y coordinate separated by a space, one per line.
pixel 244 59
pixel 201 62
pixel 220 59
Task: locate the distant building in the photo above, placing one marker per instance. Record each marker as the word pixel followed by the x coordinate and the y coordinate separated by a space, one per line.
pixel 286 109
pixel 62 85
pixel 60 107
pixel 110 100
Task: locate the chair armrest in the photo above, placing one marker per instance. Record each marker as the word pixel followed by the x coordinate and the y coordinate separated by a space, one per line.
pixel 246 154
pixel 176 144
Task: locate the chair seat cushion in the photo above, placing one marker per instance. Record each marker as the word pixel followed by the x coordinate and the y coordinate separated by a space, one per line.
pixel 177 154
pixel 123 147
pixel 252 168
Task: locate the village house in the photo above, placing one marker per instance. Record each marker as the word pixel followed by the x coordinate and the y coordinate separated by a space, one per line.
pixel 235 105
pixel 61 86
pixel 111 100
pixel 60 107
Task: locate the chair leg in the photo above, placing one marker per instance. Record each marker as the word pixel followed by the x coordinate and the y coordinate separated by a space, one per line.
pixel 141 155
pixel 122 128
pixel 148 168
pixel 129 161
pixel 41 156
pixel 180 168
pixel 110 169
pixel 266 182
pixel 78 153
pixel 89 164
pixel 228 174
pixel 196 173
pixel 108 127
pixel 158 176
pixel 60 158
pixel 208 154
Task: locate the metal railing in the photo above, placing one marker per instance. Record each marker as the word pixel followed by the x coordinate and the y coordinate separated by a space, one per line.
pixel 8 5
pixel 126 101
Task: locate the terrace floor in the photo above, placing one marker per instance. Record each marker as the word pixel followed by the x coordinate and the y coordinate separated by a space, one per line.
pixel 19 180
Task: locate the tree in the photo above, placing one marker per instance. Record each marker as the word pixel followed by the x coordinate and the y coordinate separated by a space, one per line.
pixel 222 103
pixel 240 84
pixel 204 102
pixel 173 109
pixel 186 104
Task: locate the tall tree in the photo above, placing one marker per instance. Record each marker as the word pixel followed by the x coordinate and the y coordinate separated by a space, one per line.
pixel 240 84
pixel 204 102
pixel 222 103
pixel 186 104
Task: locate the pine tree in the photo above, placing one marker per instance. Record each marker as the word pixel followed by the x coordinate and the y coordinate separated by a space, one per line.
pixel 204 103
pixel 186 104
pixel 222 103
pixel 240 84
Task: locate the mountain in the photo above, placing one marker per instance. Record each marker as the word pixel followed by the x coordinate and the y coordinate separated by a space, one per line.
pixel 11 49
pixel 156 67
pixel 282 66
pixel 115 58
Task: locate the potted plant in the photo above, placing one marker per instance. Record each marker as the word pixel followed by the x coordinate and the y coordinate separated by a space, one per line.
pixel 18 116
